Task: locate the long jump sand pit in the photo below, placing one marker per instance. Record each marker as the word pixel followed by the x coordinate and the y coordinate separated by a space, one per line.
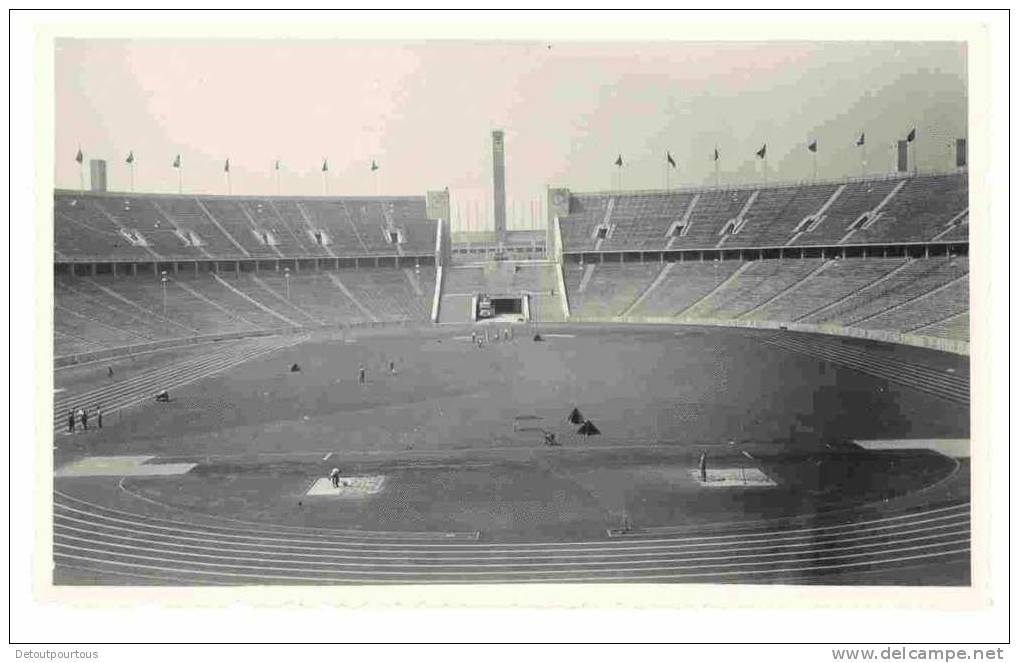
pixel 361 486
pixel 733 477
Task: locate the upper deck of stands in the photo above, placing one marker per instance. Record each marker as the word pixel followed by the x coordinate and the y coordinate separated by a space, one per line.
pixel 912 209
pixel 145 227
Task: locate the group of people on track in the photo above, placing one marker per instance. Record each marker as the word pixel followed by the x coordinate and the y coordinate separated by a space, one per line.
pixel 480 339
pixel 82 415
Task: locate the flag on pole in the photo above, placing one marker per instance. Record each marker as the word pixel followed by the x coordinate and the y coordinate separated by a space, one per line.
pixel 325 165
pixel 670 160
pixel 716 154
pixel 761 153
pixel 860 141
pixel 374 166
pixel 911 136
pixel 130 157
pixel 79 157
pixel 619 161
pixel 812 146
pixel 226 166
pixel 176 161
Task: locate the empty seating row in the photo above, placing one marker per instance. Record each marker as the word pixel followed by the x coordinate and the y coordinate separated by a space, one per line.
pixel 101 312
pixel 903 209
pixel 922 296
pixel 107 227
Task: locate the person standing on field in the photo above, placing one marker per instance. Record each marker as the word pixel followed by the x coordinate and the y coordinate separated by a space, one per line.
pixel 703 465
pixel 99 416
pixel 361 376
pixel 70 421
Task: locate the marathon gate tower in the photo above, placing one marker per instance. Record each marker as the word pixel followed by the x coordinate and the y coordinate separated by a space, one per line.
pixel 499 181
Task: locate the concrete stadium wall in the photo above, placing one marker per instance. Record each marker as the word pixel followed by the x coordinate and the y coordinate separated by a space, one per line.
pixel 934 343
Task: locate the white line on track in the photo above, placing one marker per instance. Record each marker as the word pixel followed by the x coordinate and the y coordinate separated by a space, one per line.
pixel 327 456
pixel 630 577
pixel 920 517
pixel 645 544
pixel 958 533
pixel 502 571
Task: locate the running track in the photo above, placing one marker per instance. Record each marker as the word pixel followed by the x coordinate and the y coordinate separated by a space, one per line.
pixel 117 546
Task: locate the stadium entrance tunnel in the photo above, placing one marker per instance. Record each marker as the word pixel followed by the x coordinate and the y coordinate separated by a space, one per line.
pixel 501 306
pixel 507 306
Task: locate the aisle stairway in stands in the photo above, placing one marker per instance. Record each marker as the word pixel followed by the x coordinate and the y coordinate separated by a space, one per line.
pixel 925 296
pixel 96 313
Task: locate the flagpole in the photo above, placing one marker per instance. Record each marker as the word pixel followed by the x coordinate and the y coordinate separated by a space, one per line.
pixel 131 168
pixel 180 179
pixel 863 158
pixel 666 171
pixel 815 165
pixel 717 180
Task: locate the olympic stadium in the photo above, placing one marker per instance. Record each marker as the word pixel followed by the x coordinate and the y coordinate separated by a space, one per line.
pixel 751 384
pixel 509 312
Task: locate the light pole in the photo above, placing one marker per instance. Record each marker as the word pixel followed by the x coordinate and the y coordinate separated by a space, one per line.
pixel 162 282
pixel 286 280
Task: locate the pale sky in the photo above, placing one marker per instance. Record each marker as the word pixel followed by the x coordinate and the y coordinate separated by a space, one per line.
pixel 425 110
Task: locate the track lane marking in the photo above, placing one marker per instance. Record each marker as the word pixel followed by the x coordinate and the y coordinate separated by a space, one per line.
pixel 623 578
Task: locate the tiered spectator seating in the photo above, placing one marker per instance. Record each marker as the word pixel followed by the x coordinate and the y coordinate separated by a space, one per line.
pixel 933 306
pixel 83 232
pixel 956 327
pixel 390 295
pixel 90 328
pixel 641 220
pixel 755 284
pixel 683 285
pixel 293 222
pixel 186 313
pixel 923 205
pixel 88 226
pixel 103 312
pixel 913 279
pixel 235 218
pixel 958 233
pixel 609 290
pixel 774 216
pixel 587 211
pixel 713 210
pixel 855 199
pixel 838 279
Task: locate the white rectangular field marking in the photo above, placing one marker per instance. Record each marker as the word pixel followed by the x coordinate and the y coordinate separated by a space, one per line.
pixel 953 448
pixel 733 477
pixel 349 487
pixel 121 466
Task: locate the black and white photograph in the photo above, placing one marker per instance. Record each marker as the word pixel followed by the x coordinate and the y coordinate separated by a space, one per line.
pixel 411 312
